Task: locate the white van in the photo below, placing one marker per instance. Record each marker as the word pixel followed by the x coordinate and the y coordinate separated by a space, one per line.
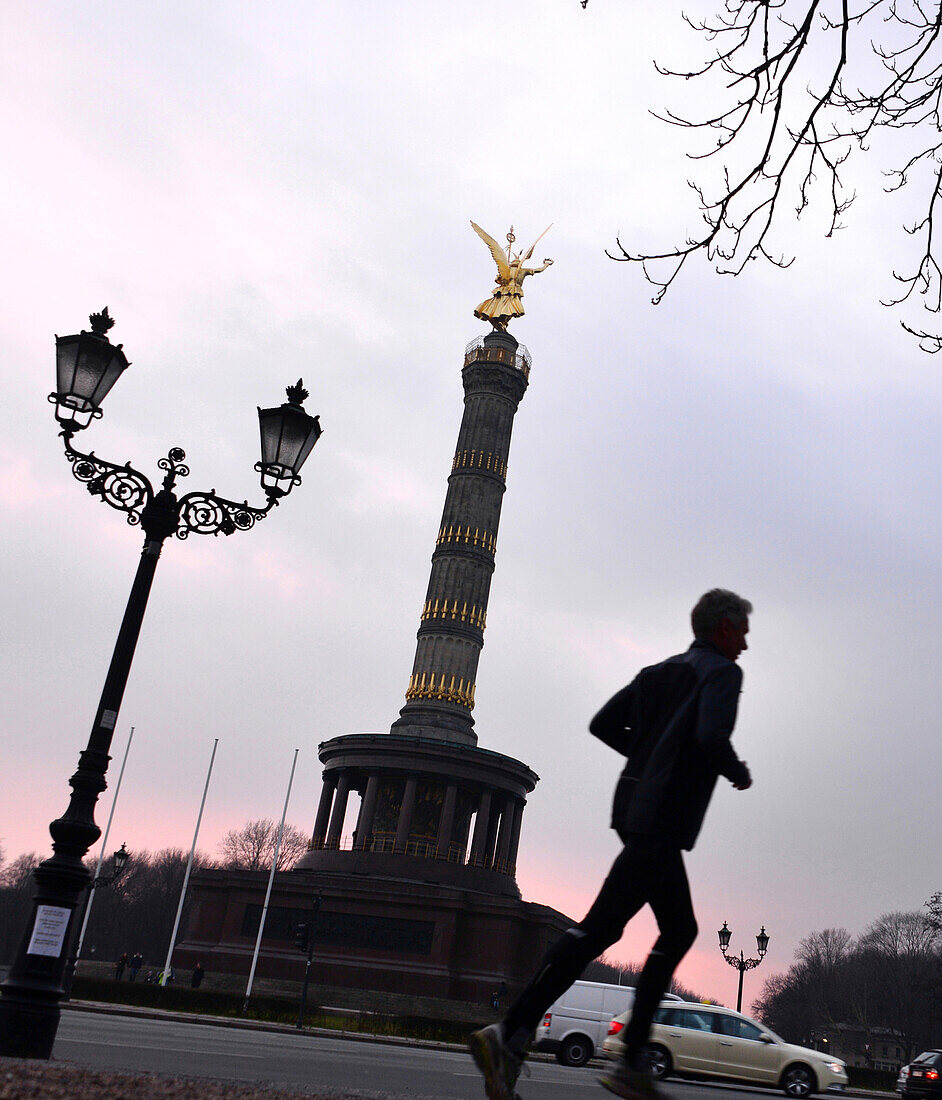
pixel 574 1028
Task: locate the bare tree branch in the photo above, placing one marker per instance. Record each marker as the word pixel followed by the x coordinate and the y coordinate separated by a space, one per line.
pixel 800 86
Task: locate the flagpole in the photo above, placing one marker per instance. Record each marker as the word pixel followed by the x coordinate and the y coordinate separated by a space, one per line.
pixel 189 864
pixel 271 879
pixel 101 854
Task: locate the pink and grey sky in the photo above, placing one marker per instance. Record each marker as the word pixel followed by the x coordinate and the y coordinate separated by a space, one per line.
pixel 262 193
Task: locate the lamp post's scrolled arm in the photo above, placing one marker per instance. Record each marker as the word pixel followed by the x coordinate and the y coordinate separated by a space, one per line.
pixel 162 514
pixel 122 487
pixel 739 963
pixel 210 514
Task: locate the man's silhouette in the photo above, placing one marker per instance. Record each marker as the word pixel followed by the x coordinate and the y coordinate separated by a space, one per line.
pixel 673 723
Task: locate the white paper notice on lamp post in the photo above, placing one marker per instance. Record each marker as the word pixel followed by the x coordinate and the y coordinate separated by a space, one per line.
pixel 48 936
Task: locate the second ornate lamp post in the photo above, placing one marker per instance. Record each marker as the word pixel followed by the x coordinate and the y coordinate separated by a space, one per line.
pixel 118 863
pixel 88 365
pixel 742 964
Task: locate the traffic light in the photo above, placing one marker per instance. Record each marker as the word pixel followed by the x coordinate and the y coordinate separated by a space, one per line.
pixel 301 936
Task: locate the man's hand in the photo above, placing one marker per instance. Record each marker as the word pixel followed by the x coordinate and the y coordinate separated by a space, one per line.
pixel 744 786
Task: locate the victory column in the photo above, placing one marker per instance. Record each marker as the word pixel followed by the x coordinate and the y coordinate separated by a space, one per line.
pixel 427 873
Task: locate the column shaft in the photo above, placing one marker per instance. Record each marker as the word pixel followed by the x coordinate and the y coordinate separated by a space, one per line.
pixel 339 812
pixel 367 813
pixel 490 842
pixel 515 835
pixel 404 827
pixel 440 695
pixel 478 843
pixel 323 811
pixel 446 823
pixel 502 856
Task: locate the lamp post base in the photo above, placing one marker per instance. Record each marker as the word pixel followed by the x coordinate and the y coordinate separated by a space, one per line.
pixel 28 1024
pixel 31 995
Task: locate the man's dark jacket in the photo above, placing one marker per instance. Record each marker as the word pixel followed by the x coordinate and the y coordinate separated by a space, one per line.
pixel 673 722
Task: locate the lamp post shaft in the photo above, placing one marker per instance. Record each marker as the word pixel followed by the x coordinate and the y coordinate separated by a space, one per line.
pixel 120 667
pixel 73 960
pixel 30 997
pixel 742 970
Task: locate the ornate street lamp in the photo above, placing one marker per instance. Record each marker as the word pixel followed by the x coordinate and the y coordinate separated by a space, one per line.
pixel 118 861
pixel 87 366
pixel 742 964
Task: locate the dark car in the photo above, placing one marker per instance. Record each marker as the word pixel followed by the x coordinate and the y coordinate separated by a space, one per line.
pixel 925 1075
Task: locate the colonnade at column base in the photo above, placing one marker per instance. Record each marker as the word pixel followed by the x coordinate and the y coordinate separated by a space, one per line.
pixel 432 810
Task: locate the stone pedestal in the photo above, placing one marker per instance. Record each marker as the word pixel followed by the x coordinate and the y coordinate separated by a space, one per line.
pixel 380 932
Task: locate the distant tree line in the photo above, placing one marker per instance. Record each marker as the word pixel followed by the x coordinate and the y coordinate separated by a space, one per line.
pixel 889 978
pixel 136 912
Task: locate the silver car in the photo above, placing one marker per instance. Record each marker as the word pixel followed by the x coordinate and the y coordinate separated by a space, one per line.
pixel 710 1041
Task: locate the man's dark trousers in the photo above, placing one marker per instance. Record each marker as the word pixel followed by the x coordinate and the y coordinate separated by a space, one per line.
pixel 649 871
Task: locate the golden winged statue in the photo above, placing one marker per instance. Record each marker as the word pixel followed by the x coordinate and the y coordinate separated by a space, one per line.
pixel 506 302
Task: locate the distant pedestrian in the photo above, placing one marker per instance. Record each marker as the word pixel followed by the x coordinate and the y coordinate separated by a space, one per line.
pixel 673 723
pixel 137 961
pixel 198 975
pixel 120 965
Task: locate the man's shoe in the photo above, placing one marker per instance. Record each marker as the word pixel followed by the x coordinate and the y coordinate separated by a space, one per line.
pixel 632 1083
pixel 496 1061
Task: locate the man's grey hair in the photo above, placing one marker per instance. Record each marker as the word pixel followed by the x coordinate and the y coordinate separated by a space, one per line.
pixel 715 606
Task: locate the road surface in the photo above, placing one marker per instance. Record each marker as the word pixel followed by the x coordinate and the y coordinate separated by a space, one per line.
pixel 356 1068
